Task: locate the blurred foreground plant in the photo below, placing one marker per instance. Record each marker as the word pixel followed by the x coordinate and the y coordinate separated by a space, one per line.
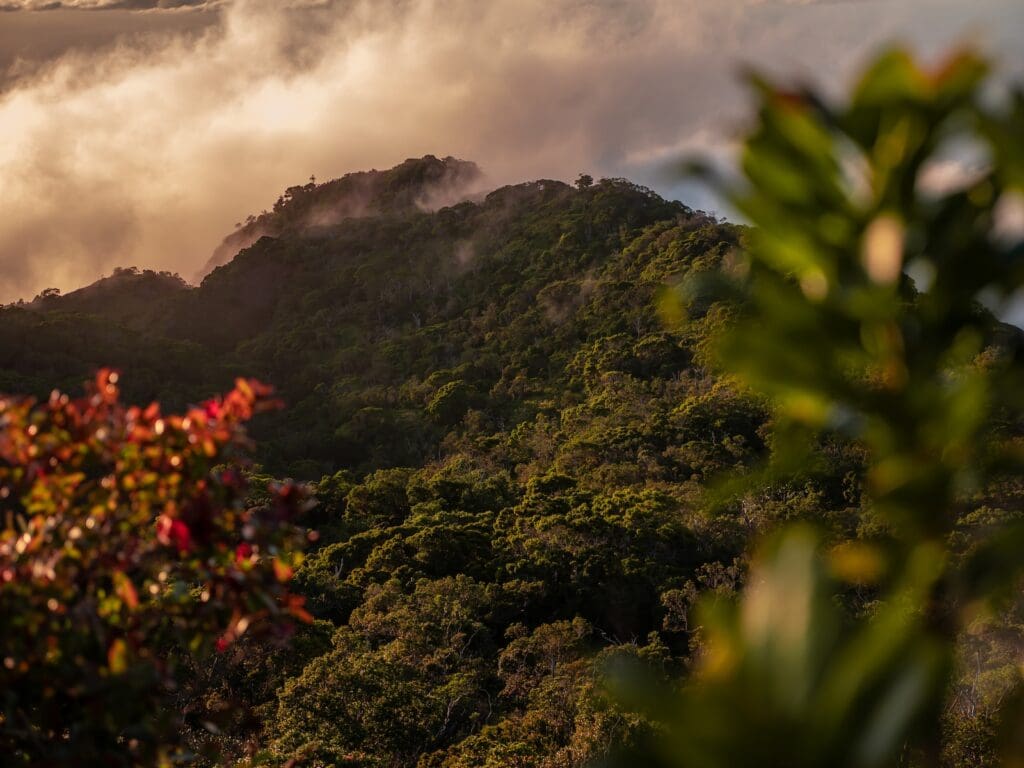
pixel 844 208
pixel 126 543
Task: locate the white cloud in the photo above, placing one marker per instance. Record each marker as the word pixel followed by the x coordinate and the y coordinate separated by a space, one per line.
pixel 146 153
pixel 102 5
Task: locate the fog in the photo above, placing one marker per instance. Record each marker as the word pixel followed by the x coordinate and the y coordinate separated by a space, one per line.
pixel 139 137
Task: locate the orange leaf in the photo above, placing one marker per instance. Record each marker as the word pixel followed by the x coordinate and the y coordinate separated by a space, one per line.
pixel 126 590
pixel 117 657
pixel 283 571
pixel 301 614
pixel 243 386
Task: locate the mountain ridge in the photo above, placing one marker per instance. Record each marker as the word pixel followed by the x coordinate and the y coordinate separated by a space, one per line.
pixel 415 184
pixel 509 284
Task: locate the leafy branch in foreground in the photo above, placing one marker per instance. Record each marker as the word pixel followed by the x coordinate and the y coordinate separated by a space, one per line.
pixel 126 545
pixel 831 325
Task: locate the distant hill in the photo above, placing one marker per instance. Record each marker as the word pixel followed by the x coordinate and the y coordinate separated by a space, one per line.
pixel 420 184
pixel 128 295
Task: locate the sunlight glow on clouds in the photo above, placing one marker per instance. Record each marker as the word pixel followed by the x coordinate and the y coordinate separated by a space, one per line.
pixel 94 5
pixel 146 151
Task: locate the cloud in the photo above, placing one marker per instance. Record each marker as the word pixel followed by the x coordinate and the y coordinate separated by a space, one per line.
pixel 104 5
pixel 49 5
pixel 30 41
pixel 147 149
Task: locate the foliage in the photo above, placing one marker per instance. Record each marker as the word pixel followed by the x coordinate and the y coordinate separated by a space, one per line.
pixel 127 548
pixel 512 451
pixel 833 328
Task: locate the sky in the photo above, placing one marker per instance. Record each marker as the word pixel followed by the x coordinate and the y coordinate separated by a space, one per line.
pixel 137 132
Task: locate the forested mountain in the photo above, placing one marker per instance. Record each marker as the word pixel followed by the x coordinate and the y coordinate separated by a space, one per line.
pixel 383 332
pixel 417 184
pixel 508 432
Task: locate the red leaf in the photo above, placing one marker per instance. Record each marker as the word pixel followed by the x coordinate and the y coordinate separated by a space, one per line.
pixel 243 552
pixel 171 531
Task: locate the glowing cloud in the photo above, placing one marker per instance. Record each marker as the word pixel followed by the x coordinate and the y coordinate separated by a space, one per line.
pixel 147 150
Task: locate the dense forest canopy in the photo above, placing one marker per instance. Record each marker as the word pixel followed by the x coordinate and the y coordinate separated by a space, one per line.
pixel 382 332
pixel 506 441
pixel 512 410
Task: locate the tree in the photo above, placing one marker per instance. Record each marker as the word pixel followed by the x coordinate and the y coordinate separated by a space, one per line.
pixel 833 329
pixel 127 547
pixel 47 293
pixel 450 402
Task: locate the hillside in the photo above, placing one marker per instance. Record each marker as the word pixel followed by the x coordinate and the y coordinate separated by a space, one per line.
pixel 505 438
pixel 415 185
pixel 383 331
pixel 508 445
pixel 127 295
